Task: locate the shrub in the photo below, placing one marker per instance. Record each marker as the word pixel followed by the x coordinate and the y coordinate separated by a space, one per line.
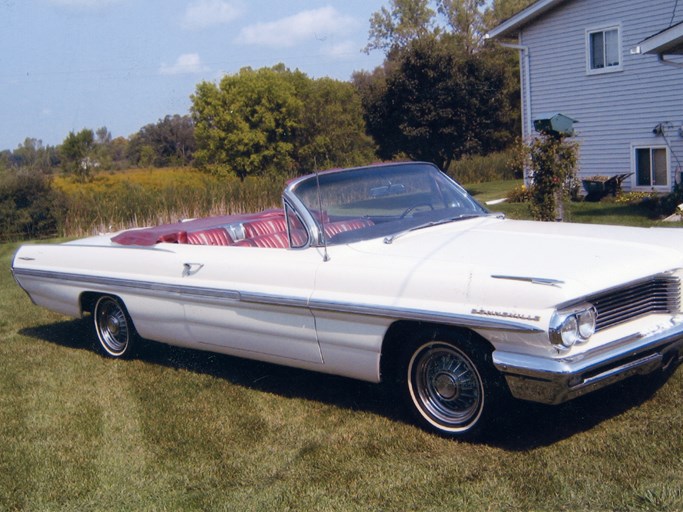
pixel 552 162
pixel 29 206
pixel 520 194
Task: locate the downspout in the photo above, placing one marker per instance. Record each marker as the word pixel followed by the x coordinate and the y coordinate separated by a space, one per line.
pixel 527 125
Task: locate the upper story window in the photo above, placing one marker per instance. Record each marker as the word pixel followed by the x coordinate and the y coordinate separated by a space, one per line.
pixel 603 50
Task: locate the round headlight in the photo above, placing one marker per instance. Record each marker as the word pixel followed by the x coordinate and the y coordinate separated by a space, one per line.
pixel 569 331
pixel 586 323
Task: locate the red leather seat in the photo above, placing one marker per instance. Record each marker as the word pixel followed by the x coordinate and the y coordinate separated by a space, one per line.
pixel 265 226
pixel 334 228
pixel 213 236
pixel 278 240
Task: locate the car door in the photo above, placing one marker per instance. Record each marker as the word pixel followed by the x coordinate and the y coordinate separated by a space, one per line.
pixel 251 301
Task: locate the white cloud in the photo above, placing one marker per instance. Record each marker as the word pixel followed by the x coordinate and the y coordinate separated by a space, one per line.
pixel 345 50
pixel 318 24
pixel 206 13
pixel 83 3
pixel 187 63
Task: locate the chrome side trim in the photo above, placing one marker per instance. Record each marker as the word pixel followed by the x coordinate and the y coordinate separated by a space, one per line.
pixel 196 292
pixel 422 316
pixel 146 286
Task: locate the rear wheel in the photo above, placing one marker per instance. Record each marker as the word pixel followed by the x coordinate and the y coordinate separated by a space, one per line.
pixel 450 386
pixel 114 328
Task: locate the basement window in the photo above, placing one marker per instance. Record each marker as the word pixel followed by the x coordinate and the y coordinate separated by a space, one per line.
pixel 651 167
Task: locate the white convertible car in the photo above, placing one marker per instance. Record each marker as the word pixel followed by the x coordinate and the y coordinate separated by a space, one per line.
pixel 386 273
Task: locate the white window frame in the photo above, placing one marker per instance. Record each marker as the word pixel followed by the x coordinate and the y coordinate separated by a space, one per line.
pixel 634 168
pixel 607 69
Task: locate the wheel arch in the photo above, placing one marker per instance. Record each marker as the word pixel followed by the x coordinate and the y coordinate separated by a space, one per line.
pixel 403 332
pixel 88 299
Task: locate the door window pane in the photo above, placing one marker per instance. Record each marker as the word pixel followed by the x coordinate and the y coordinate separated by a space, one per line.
pixel 659 173
pixel 643 167
pixel 651 167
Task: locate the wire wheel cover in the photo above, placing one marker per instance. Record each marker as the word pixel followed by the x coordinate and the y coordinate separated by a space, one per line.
pixel 112 326
pixel 446 385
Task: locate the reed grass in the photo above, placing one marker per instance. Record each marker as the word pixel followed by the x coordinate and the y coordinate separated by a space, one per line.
pixel 115 201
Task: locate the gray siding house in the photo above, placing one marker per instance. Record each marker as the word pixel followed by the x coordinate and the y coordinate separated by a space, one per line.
pixel 616 66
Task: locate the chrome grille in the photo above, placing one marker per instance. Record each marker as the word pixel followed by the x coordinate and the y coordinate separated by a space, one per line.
pixel 658 294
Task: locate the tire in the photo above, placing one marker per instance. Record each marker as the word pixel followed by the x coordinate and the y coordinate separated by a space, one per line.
pixel 451 386
pixel 115 331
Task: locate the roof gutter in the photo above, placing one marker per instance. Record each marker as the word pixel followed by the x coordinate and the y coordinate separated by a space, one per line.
pixel 675 64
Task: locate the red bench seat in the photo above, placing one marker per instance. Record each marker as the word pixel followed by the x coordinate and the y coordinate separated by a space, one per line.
pixel 212 236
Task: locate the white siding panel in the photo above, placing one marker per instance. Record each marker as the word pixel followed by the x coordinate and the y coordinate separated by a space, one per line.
pixel 614 109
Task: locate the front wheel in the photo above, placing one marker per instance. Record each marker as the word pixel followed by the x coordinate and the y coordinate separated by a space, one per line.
pixel 450 387
pixel 114 328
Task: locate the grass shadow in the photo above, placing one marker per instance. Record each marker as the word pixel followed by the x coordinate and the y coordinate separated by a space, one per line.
pixel 527 425
pixel 521 426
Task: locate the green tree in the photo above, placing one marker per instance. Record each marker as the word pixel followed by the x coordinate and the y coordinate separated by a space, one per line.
pixel 77 152
pixel 404 21
pixel 332 130
pixel 247 123
pixel 171 140
pixel 274 120
pixel 465 19
pixel 119 152
pixel 437 105
pixel 500 10
pixel 394 27
pixel 32 154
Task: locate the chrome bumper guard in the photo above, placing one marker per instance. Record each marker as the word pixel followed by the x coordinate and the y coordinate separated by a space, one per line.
pixel 553 381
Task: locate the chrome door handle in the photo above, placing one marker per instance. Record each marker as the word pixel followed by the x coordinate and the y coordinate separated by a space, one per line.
pixel 190 269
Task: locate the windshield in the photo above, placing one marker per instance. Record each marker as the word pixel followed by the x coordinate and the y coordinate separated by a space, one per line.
pixel 384 200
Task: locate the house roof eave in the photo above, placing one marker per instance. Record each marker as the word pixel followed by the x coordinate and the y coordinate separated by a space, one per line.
pixel 511 26
pixel 668 41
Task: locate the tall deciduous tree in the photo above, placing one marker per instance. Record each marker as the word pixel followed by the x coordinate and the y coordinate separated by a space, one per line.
pixel 437 105
pixel 247 123
pixel 274 120
pixel 500 10
pixel 404 21
pixel 33 155
pixel 332 130
pixel 169 141
pixel 465 19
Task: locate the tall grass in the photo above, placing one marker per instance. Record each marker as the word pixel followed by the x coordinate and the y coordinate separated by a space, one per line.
pixel 152 196
pixel 140 197
pixel 479 169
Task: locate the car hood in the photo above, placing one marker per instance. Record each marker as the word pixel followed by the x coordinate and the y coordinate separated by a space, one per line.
pixel 574 259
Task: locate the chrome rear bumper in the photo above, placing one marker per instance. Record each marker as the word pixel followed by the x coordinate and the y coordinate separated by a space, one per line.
pixel 553 381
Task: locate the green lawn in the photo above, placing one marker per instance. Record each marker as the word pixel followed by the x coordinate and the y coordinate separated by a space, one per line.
pixel 603 212
pixel 185 430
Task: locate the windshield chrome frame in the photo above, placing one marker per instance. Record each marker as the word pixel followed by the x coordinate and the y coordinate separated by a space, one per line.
pixel 289 197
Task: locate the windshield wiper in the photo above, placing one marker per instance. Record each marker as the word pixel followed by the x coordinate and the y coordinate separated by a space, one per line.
pixel 389 239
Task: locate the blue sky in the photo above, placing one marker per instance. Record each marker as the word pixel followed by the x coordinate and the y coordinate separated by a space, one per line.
pixel 72 64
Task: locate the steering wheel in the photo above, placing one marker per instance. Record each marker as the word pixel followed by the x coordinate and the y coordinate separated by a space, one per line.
pixel 416 205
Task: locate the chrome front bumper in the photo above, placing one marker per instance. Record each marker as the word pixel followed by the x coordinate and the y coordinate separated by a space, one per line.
pixel 553 381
